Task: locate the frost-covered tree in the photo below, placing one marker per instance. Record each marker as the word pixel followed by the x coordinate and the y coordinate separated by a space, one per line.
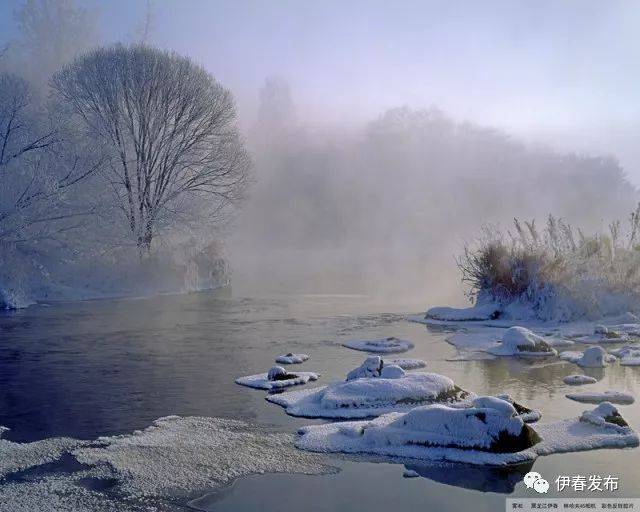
pixel 176 156
pixel 37 168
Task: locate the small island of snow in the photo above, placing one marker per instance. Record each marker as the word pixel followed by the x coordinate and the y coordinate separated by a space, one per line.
pixel 594 397
pixel 292 358
pixel 389 345
pixel 519 341
pixel 593 357
pixel 276 378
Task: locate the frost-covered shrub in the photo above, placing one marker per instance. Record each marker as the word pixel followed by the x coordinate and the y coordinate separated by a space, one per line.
pixel 558 273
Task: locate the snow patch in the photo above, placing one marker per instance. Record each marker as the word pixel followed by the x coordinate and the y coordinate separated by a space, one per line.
pixel 578 380
pixel 407 364
pixel 179 455
pixel 292 358
pixel 276 378
pixel 380 346
pixel 595 397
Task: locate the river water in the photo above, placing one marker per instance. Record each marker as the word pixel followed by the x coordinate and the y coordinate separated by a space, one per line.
pixel 108 367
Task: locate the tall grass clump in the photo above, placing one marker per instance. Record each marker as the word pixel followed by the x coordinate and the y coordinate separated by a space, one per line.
pixel 557 272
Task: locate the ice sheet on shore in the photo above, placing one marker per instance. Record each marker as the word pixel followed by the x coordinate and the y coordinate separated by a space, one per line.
pixel 489 311
pixel 597 397
pixel 593 357
pixel 148 470
pixel 389 345
pixel 291 358
pixel 180 455
pixel 579 380
pixel 481 435
pixel 20 456
pixel 369 396
pixel 276 378
pixel 629 355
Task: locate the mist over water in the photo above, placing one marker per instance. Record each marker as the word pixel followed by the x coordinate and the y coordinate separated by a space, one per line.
pixel 383 209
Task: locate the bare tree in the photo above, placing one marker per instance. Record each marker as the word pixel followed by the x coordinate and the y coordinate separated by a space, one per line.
pixel 176 152
pixel 37 170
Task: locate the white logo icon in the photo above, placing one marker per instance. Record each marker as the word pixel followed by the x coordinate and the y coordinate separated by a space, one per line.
pixel 541 486
pixel 534 480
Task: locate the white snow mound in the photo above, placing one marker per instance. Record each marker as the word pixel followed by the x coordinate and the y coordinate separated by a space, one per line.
pixel 369 396
pixel 593 357
pixel 292 358
pixel 520 341
pixel 276 378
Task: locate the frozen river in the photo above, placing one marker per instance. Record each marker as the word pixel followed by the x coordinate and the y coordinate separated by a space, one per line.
pixel 102 368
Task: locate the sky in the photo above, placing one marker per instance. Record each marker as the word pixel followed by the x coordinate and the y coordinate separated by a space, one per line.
pixel 561 73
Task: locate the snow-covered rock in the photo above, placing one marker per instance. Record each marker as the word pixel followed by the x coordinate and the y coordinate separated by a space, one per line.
pixel 490 311
pixel 292 358
pixel 392 371
pixel 276 378
pixel 369 396
pixel 629 355
pixel 527 415
pixel 380 346
pixel 520 341
pixel 607 415
pixel 485 433
pixel 371 367
pixel 276 373
pixel 593 357
pixel 578 380
pixel 410 473
pixel 595 397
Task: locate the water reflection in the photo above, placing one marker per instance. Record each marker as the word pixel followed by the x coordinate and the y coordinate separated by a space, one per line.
pixel 485 479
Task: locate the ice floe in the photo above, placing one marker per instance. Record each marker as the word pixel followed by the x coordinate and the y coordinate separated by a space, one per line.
pixel 629 355
pixel 276 378
pixel 579 380
pixel 389 345
pixel 488 431
pixel 597 397
pixel 369 396
pixel 520 341
pixel 407 364
pixel 292 358
pixel 593 357
pixel 489 311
